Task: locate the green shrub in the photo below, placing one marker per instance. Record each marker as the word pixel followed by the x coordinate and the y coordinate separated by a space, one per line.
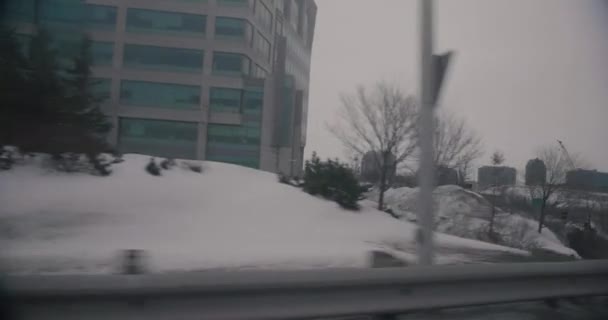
pixel 332 180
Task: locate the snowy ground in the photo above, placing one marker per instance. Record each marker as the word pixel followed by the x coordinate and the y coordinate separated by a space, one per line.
pixel 466 214
pixel 226 217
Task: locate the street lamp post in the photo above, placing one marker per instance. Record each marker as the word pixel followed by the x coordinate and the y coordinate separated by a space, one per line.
pixel 425 125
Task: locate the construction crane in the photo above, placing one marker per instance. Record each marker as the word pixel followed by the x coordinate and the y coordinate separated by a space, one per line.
pixel 567 154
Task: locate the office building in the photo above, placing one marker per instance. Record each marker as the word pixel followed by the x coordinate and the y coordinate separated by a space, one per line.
pixel 536 172
pixel 494 176
pixel 221 80
pixel 591 180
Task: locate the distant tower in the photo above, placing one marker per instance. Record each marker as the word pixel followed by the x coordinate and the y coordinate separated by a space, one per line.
pixel 536 172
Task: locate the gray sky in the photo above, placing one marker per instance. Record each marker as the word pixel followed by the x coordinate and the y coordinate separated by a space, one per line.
pixel 526 72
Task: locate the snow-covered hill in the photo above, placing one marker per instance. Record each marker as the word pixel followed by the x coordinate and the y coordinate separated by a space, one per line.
pixel 225 217
pixel 466 214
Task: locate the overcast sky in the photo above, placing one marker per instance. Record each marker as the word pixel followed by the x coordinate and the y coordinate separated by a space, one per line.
pixel 526 72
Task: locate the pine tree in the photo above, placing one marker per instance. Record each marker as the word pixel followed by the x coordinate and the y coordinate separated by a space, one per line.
pixel 12 83
pixel 43 113
pixel 85 126
pixel 84 103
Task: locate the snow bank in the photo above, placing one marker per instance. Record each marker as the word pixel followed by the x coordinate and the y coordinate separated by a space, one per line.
pixel 466 214
pixel 227 217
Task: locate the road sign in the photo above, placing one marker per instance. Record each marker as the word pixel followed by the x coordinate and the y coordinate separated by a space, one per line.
pixel 440 65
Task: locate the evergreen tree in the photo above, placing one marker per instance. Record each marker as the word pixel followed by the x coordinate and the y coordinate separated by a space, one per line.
pixel 332 180
pixel 43 109
pixel 83 115
pixel 12 83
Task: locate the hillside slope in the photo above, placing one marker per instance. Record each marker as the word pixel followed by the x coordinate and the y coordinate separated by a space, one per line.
pixel 466 214
pixel 226 217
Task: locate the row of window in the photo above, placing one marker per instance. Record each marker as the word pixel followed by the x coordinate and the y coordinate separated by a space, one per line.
pixel 173 59
pixel 178 139
pixel 175 139
pixel 143 20
pixel 177 96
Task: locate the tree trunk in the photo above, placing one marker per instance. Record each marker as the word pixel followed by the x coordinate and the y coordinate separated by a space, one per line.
pixel 382 188
pixel 383 169
pixel 491 230
pixel 541 219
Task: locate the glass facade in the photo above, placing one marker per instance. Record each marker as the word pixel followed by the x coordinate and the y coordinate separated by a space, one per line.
pixel 100 17
pixel 234 144
pixel 230 64
pixel 159 95
pixel 141 20
pixel 234 3
pixel 62 11
pixel 239 144
pixel 175 139
pixel 227 100
pixel 20 11
pixel 233 29
pixel 253 104
pixel 162 58
pixel 103 53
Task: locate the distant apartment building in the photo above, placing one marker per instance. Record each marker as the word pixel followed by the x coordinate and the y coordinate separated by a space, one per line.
pixel 447 176
pixel 371 167
pixel 489 176
pixel 591 180
pixel 221 80
pixel 536 172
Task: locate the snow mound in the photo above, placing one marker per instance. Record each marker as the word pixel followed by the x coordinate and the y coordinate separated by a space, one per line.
pixel 225 217
pixel 466 214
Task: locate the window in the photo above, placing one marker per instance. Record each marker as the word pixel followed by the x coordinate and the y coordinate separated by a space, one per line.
pixel 263 15
pixel 102 52
pixel 159 95
pixel 233 144
pixel 62 11
pixel 102 89
pixel 262 46
pixel 163 58
pixel 253 100
pixel 225 100
pixel 101 16
pixel 22 10
pixel 234 3
pixel 174 139
pixel 233 64
pixel 233 28
pixel 140 20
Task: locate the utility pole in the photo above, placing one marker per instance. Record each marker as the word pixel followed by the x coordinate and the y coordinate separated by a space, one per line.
pixel 424 237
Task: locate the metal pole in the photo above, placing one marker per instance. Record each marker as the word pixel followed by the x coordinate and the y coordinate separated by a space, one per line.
pixel 425 125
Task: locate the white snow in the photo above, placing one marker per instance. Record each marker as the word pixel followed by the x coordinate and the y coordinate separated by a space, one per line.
pixel 226 217
pixel 466 214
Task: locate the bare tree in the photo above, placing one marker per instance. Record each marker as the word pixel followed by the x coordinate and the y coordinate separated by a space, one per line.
pixel 557 165
pixel 380 120
pixel 456 145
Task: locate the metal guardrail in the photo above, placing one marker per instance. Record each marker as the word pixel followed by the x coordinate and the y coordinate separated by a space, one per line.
pixel 299 294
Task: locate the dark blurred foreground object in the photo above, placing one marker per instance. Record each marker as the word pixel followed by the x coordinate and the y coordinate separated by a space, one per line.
pixel 133 261
pixel 7 311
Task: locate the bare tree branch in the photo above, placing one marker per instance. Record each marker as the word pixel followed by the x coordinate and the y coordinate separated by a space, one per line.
pixel 382 121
